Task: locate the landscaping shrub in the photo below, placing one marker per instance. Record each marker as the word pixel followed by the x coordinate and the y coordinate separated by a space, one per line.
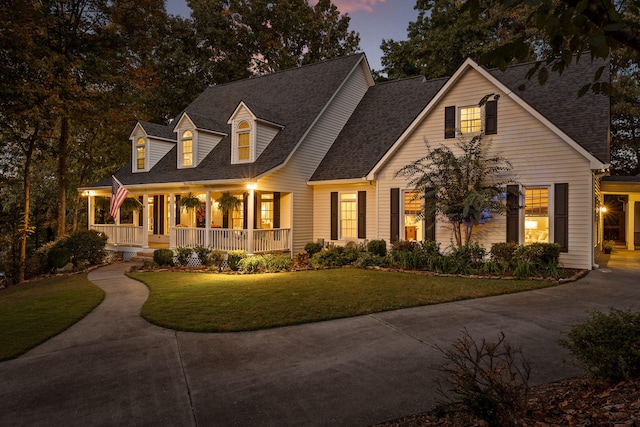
pixel 430 247
pixel 252 264
pixel 183 255
pixel 58 257
pixel 369 259
pixel 503 253
pixel 302 260
pixel 234 257
pixel 467 259
pixel 279 263
pixel 335 256
pixel 607 345
pixel 377 247
pixel 163 257
pixel 87 246
pixel 404 246
pixel 313 248
pixel 208 257
pixel 537 259
pixel 216 259
pixel 488 380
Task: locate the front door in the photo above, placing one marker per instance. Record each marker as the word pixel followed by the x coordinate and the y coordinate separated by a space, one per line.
pixel 614 218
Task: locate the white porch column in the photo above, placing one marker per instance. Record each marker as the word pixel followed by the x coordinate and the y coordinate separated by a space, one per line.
pixel 172 218
pixel 207 220
pixel 91 215
pixel 631 226
pixel 145 220
pixel 250 218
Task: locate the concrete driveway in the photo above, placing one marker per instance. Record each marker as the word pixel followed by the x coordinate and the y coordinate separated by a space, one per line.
pixel 113 368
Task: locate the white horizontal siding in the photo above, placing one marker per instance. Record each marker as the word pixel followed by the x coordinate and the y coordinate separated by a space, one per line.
pixel 294 175
pixel 539 158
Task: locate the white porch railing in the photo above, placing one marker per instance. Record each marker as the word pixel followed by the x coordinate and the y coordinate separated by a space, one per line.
pixel 276 239
pixel 225 239
pixel 189 237
pixel 120 234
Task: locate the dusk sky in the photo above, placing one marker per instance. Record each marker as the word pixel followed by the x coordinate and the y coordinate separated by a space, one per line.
pixel 373 19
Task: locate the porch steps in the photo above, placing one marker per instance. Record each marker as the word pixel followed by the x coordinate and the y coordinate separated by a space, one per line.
pixel 142 256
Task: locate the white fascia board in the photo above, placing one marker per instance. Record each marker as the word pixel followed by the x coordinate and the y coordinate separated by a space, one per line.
pixel 469 63
pixel 340 181
pixel 183 117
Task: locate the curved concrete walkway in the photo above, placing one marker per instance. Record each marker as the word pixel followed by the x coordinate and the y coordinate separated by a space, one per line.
pixel 113 368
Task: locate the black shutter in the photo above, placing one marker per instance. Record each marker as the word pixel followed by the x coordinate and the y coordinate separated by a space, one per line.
pixel 430 219
pixel 513 217
pixel 395 215
pixel 450 122
pixel 140 213
pixel 561 216
pixel 245 210
pixel 491 118
pixel 276 210
pixel 334 215
pixel 362 214
pixel 178 209
pixel 225 219
pixel 156 214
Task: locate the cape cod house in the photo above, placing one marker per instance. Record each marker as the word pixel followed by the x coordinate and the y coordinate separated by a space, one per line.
pixel 311 154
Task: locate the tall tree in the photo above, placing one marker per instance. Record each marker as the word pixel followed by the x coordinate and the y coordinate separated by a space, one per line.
pixel 445 34
pixel 238 38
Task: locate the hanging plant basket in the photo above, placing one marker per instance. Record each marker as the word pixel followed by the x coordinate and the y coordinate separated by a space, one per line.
pixel 226 202
pixel 189 202
pixel 131 204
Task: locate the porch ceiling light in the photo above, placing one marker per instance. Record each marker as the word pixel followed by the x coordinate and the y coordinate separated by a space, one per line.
pixel 252 186
pixel 603 209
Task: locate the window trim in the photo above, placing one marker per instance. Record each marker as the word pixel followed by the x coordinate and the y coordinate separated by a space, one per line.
pixel 480 119
pixel 183 138
pixel 403 214
pixel 145 148
pixel 235 152
pixel 550 211
pixel 488 119
pixel 341 236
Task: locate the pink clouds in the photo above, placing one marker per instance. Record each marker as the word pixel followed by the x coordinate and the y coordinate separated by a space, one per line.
pixel 347 6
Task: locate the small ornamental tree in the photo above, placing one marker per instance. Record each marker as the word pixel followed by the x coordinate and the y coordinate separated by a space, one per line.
pixel 466 188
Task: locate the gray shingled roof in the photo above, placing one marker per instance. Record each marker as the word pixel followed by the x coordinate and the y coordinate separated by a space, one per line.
pixel 585 119
pixel 388 109
pixel 384 113
pixel 291 98
pixel 159 131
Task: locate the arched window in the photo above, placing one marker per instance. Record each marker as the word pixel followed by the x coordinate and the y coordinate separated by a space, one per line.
pixel 187 148
pixel 244 141
pixel 141 153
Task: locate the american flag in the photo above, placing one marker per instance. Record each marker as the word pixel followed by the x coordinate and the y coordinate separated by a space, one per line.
pixel 118 194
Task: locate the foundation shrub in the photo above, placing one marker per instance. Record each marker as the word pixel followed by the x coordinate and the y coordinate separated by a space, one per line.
pixel 183 255
pixel 335 256
pixel 163 257
pixel 467 259
pixel 536 259
pixel 279 263
pixel 377 247
pixel 312 248
pixel 487 379
pixel 252 264
pixel 234 257
pixel 85 246
pixel 607 345
pixel 503 253
pixel 369 259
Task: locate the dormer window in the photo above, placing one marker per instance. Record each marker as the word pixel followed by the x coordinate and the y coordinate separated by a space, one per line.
pixel 244 141
pixel 141 153
pixel 187 148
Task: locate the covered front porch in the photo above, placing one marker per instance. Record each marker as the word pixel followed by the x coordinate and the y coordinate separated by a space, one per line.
pixel 225 220
pixel 621 219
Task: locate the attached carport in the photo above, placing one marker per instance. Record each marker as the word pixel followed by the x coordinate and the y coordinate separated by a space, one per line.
pixel 621 213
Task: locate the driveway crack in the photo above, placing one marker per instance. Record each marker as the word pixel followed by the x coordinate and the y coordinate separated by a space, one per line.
pixel 186 381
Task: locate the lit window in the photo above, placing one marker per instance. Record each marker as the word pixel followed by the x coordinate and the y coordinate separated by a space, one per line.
pixel 141 153
pixel 470 119
pixel 536 212
pixel 266 210
pixel 348 215
pixel 237 217
pixel 412 211
pixel 187 148
pixel 244 141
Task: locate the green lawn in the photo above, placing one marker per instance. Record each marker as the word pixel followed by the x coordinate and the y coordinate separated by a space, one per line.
pixel 225 303
pixel 33 312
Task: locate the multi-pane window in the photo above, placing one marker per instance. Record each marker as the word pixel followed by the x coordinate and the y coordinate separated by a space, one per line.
pixel 470 119
pixel 244 141
pixel 141 153
pixel 536 212
pixel 187 148
pixel 237 217
pixel 348 215
pixel 412 211
pixel 266 210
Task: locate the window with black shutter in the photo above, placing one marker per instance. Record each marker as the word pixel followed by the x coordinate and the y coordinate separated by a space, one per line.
pixel 362 214
pixel 334 215
pixel 491 118
pixel 513 208
pixel 450 122
pixel 395 215
pixel 561 216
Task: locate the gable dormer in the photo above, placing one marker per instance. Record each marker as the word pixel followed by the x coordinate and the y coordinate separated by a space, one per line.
pixel 250 134
pixel 196 137
pixel 149 143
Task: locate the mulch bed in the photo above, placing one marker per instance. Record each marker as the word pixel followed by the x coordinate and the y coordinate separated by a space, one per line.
pixel 571 402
